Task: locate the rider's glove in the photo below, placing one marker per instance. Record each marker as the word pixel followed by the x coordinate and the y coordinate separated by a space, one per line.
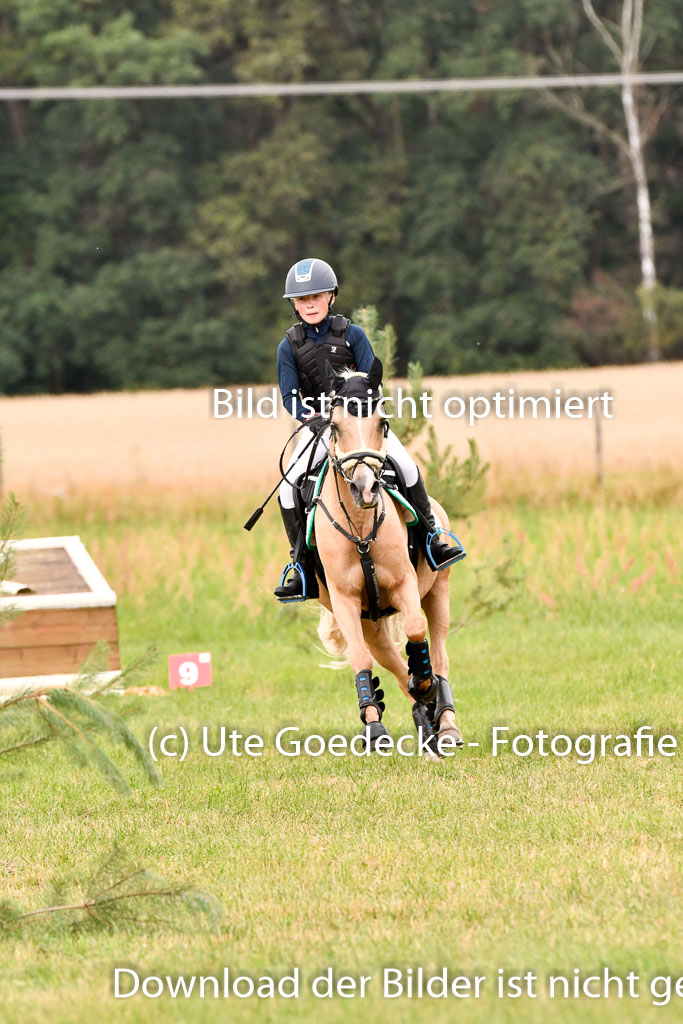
pixel 315 423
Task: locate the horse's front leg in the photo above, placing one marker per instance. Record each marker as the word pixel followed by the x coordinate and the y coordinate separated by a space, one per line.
pixel 347 613
pixel 423 686
pixel 406 597
pixel 386 653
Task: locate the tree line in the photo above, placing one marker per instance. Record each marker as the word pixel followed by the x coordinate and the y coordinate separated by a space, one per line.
pixel 144 243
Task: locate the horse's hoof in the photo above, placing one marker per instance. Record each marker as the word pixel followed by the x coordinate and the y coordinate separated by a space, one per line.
pixel 455 741
pixel 372 732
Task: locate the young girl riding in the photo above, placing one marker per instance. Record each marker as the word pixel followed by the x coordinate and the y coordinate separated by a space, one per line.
pixel 318 341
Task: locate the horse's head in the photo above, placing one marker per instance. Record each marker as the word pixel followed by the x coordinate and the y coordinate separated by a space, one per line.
pixel 359 430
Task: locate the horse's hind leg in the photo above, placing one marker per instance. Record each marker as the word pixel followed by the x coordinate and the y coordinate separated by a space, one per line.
pixel 422 683
pixel 436 604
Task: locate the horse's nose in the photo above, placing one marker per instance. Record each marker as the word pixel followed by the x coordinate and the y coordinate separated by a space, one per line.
pixel 364 495
pixel 369 494
pixel 356 492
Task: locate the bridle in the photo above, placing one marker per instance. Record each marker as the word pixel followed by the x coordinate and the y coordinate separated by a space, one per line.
pixel 343 464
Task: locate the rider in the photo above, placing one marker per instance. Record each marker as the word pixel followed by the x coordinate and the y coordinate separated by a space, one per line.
pixel 302 357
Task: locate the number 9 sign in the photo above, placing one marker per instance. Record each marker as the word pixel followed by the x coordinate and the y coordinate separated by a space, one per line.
pixel 189 671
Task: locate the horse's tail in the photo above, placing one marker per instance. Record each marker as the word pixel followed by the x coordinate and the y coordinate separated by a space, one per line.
pixel 396 630
pixel 330 634
pixel 333 640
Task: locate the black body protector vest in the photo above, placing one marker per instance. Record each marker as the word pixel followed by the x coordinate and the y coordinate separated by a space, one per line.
pixel 312 357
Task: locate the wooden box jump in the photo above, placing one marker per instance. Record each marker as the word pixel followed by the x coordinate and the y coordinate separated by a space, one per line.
pixel 65 608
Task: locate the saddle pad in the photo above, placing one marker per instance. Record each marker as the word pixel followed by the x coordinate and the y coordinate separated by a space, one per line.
pixel 310 539
pixel 406 504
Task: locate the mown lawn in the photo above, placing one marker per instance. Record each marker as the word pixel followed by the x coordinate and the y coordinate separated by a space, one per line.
pixel 475 864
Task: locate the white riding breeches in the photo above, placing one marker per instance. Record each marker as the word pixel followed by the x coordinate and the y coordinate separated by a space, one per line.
pixel 299 461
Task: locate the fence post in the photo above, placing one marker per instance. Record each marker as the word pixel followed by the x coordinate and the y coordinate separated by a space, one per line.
pixel 598 447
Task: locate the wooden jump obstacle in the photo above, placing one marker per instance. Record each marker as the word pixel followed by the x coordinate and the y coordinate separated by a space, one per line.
pixel 65 608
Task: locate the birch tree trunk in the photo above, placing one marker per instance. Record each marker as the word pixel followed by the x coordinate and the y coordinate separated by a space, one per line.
pixel 627 56
pixel 631 27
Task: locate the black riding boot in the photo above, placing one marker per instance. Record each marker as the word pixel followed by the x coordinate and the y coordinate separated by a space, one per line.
pixel 293 590
pixel 443 554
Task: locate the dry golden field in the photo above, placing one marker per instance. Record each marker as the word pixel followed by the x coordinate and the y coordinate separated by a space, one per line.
pixel 169 441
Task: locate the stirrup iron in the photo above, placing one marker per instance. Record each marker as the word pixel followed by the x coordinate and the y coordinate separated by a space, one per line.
pixel 458 552
pixel 294 567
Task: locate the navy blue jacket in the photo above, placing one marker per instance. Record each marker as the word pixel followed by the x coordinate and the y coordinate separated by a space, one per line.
pixel 288 374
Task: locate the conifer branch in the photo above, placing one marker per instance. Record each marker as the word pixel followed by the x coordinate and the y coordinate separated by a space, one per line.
pixel 457 484
pixel 113 903
pixel 10 520
pixel 495 588
pixel 74 715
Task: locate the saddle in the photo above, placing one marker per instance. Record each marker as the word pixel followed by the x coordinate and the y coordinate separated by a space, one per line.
pixel 394 484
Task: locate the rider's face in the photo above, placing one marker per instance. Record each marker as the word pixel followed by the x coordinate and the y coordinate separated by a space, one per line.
pixel 313 308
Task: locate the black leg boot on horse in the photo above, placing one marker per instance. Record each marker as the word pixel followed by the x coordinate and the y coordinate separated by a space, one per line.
pixel 440 555
pixel 432 695
pixel 428 716
pixel 369 696
pixel 302 584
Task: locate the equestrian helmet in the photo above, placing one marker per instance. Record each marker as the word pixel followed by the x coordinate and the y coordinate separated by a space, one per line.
pixel 309 277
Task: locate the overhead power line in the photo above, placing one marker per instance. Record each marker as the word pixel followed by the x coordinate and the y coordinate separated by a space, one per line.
pixel 131 92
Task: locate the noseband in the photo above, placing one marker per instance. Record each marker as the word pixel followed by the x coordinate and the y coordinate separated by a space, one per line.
pixel 345 463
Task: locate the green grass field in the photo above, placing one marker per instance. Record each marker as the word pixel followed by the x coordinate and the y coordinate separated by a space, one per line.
pixel 476 863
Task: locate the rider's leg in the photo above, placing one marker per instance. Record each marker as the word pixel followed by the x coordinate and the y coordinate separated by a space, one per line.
pixel 442 553
pixel 293 588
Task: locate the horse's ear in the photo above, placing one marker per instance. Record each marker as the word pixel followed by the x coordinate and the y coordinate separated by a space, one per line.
pixel 375 374
pixel 333 381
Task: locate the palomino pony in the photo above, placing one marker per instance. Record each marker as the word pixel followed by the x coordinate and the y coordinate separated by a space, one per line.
pixel 361 519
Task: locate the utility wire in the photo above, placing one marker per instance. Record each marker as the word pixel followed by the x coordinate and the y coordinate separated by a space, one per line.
pixel 130 92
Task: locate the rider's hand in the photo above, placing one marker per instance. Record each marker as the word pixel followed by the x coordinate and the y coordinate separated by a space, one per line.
pixel 315 423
